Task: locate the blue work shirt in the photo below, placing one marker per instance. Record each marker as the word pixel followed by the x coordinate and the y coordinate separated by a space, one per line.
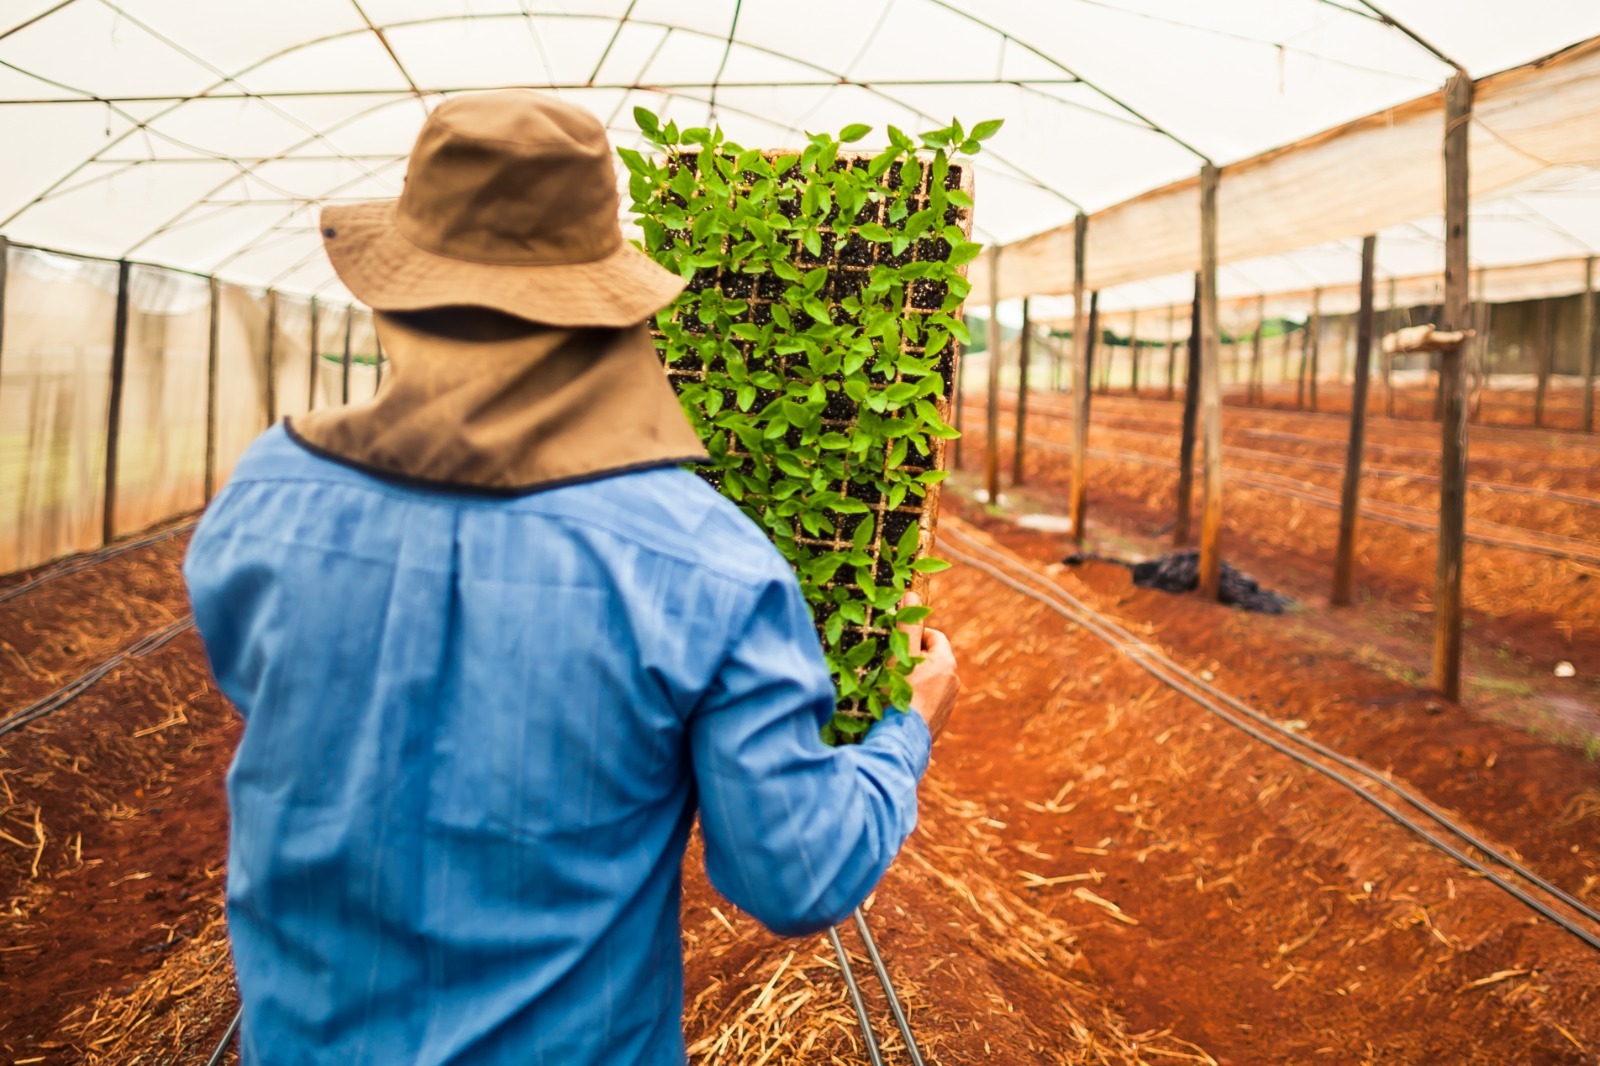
pixel 477 732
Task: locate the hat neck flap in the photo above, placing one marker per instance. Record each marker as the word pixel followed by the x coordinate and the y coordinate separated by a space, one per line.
pixel 480 400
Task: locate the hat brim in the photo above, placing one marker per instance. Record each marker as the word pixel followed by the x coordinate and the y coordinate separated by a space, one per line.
pixel 385 271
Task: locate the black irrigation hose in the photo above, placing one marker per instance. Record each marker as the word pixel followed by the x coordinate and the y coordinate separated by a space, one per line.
pixel 84 562
pixel 1153 662
pixel 227 1038
pixel 81 684
pixel 867 1036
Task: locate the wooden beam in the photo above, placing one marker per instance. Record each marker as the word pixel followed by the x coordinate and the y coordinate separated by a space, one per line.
pixel 1210 390
pixel 1305 364
pixel 1589 341
pixel 1133 349
pixel 1019 446
pixel 1080 380
pixel 119 365
pixel 1350 500
pixel 991 450
pixel 1253 393
pixel 213 358
pixel 1547 355
pixel 1452 390
pixel 1191 401
pixel 1095 357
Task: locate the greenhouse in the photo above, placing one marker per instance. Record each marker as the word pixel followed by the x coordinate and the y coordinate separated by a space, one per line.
pixel 1219 378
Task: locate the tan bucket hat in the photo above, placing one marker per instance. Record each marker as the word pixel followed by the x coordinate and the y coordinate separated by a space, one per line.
pixel 510 202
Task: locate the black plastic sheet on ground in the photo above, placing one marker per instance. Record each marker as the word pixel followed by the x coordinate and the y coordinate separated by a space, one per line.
pixel 1180 572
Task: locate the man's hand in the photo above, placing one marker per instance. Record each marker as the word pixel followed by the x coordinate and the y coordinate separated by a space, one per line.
pixel 934 684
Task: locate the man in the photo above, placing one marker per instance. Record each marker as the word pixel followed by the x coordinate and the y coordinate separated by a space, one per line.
pixel 494 648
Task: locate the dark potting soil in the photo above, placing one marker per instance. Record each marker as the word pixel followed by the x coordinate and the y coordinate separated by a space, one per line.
pixel 1180 572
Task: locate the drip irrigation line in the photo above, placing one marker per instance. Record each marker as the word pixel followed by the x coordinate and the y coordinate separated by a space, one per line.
pixel 227 1038
pixel 895 1009
pixel 1262 727
pixel 867 1035
pixel 81 684
pixel 84 562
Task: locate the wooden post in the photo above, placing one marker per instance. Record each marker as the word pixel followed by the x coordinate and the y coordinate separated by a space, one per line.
pixel 316 355
pixel 119 364
pixel 1547 354
pixel 1314 338
pixel 349 323
pixel 1305 363
pixel 1254 393
pixel 272 357
pixel 1172 350
pixel 5 267
pixel 1191 407
pixel 1350 500
pixel 1588 341
pixel 960 402
pixel 1210 390
pixel 1096 360
pixel 213 358
pixel 1133 349
pixel 1390 324
pixel 991 450
pixel 1080 379
pixel 1019 447
pixel 1453 420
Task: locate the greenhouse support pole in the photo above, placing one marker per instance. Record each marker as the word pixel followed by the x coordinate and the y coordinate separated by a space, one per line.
pixel 316 361
pixel 1080 378
pixel 1024 349
pixel 991 449
pixel 272 357
pixel 1390 324
pixel 1314 339
pixel 1344 566
pixel 1452 390
pixel 1547 353
pixel 349 322
pixel 1172 350
pixel 1589 341
pixel 1191 399
pixel 213 353
pixel 1210 391
pixel 5 261
pixel 1094 339
pixel 119 364
pixel 1133 349
pixel 1253 392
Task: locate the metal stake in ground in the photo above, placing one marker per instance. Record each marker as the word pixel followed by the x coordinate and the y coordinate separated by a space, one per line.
pixel 1350 502
pixel 1191 399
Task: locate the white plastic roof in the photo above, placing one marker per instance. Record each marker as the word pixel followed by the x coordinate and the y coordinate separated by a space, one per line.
pixel 205 134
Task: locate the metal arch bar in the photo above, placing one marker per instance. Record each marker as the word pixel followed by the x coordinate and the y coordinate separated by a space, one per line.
pixel 605 54
pixel 615 86
pixel 1389 20
pixel 868 1037
pixel 1155 127
pixel 900 1019
pixel 387 47
pixel 41 16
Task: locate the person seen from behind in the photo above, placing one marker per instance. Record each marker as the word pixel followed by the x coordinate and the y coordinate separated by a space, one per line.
pixel 495 649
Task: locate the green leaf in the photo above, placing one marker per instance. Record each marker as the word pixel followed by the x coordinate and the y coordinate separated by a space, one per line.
pixel 986 129
pixel 646 120
pixel 854 132
pixel 930 565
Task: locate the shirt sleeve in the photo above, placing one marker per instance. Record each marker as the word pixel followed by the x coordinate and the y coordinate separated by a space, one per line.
pixel 797 833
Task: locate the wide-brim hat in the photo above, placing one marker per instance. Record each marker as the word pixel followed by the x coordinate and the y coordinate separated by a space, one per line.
pixel 510 202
